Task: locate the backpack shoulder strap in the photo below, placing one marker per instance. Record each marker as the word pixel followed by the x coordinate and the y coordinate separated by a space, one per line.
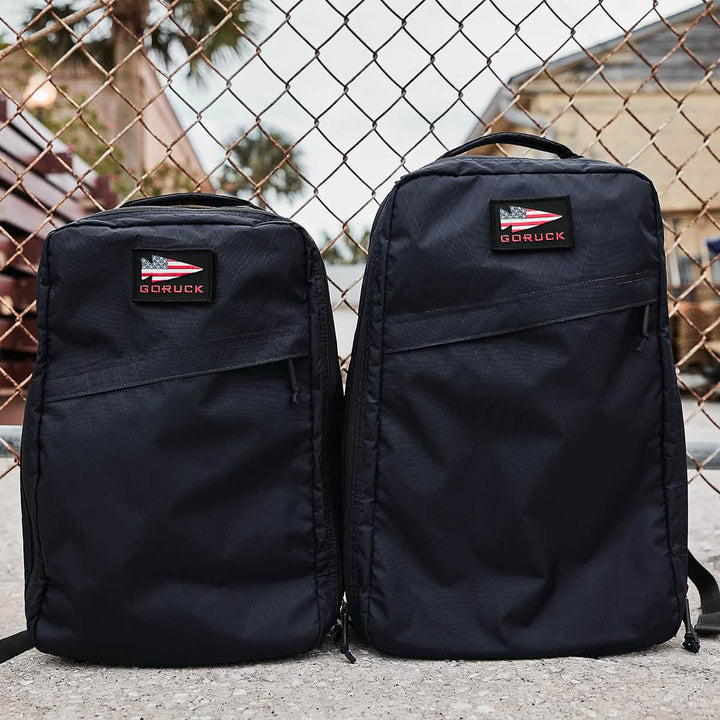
pixel 15 645
pixel 709 621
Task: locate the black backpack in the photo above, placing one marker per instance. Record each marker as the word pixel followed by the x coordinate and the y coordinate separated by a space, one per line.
pixel 180 464
pixel 514 452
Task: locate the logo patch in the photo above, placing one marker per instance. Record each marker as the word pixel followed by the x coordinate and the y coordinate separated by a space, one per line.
pixel 532 224
pixel 173 275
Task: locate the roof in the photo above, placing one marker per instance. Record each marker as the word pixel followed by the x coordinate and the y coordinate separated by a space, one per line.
pixel 653 42
pixel 47 183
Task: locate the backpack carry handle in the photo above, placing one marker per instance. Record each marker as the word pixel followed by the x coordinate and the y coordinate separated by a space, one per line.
pixel 514 138
pixel 191 198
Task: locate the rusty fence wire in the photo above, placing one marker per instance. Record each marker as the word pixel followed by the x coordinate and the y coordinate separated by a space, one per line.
pixel 315 107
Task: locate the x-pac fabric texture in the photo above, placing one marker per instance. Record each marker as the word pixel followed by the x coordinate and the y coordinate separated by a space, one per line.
pixel 180 470
pixel 514 454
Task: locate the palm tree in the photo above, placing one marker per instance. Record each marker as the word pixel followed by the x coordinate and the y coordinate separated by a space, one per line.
pixel 260 163
pixel 350 248
pixel 111 45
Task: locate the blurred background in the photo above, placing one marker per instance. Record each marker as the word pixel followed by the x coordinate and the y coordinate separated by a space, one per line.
pixel 314 108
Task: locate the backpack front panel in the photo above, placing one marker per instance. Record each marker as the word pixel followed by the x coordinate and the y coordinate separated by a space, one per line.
pixel 521 499
pixel 170 529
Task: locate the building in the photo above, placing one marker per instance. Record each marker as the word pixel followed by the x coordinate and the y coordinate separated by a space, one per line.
pixel 47 182
pixel 158 143
pixel 33 179
pixel 650 101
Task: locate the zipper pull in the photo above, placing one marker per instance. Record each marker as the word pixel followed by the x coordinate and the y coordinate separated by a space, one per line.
pixel 691 642
pixel 344 646
pixel 645 333
pixel 335 630
pixel 294 387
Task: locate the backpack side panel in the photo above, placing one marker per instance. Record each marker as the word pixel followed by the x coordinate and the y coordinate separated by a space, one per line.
pixel 362 424
pixel 30 460
pixel 327 422
pixel 675 472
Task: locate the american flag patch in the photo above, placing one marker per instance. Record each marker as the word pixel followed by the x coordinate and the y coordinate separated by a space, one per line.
pixel 531 223
pixel 173 275
pixel 158 268
pixel 521 218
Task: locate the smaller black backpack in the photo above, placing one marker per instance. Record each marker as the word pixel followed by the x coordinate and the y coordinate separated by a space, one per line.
pixel 180 447
pixel 514 452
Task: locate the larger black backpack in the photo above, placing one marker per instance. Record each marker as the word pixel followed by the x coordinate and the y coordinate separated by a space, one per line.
pixel 514 460
pixel 180 446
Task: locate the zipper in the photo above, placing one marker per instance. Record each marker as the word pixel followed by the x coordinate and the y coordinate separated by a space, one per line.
pixel 645 331
pixel 342 633
pixel 174 208
pixel 164 209
pixel 329 511
pixel 332 512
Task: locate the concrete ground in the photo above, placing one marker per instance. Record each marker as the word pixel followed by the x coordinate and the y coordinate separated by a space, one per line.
pixel 661 682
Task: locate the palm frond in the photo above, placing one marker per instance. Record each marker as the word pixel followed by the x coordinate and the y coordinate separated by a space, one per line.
pixel 192 22
pixel 200 22
pixel 62 40
pixel 263 158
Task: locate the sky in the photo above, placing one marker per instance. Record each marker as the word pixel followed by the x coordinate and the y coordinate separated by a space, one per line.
pixel 316 81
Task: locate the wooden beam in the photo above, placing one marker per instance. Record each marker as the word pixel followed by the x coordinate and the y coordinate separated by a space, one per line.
pixel 18 291
pixel 25 216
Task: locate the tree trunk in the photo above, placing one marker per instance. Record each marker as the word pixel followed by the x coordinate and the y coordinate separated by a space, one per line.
pixel 129 20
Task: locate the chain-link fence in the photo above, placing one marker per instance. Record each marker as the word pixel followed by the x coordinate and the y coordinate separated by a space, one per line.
pixel 315 107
